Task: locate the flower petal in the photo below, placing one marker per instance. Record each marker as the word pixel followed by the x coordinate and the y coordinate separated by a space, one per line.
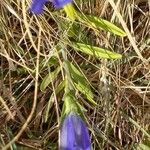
pixel 74 134
pixel 37 6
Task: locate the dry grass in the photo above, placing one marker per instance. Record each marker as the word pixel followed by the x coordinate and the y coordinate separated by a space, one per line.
pixel 28 52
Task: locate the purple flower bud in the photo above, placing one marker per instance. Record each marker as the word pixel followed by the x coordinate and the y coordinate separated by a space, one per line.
pixel 37 5
pixel 74 134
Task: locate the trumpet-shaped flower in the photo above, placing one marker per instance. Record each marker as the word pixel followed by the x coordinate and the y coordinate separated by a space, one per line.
pixel 74 134
pixel 37 5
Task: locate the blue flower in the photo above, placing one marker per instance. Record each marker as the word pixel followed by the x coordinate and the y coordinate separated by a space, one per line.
pixel 37 5
pixel 74 134
pixel 61 3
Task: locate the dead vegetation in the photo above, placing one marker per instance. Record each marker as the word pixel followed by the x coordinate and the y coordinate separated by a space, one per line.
pixel 121 87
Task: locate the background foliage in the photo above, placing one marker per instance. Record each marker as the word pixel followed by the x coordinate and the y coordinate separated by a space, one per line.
pixel 119 87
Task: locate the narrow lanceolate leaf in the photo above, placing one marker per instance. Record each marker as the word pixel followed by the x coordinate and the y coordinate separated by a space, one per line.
pixel 49 78
pixel 96 22
pixel 70 11
pixel 81 83
pixel 144 147
pixel 96 51
pixel 70 104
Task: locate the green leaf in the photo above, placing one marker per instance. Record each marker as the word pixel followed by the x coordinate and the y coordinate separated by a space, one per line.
pixel 96 51
pixel 51 61
pixel 95 22
pixel 70 11
pixel 144 147
pixel 49 78
pixel 81 83
pixel 71 105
